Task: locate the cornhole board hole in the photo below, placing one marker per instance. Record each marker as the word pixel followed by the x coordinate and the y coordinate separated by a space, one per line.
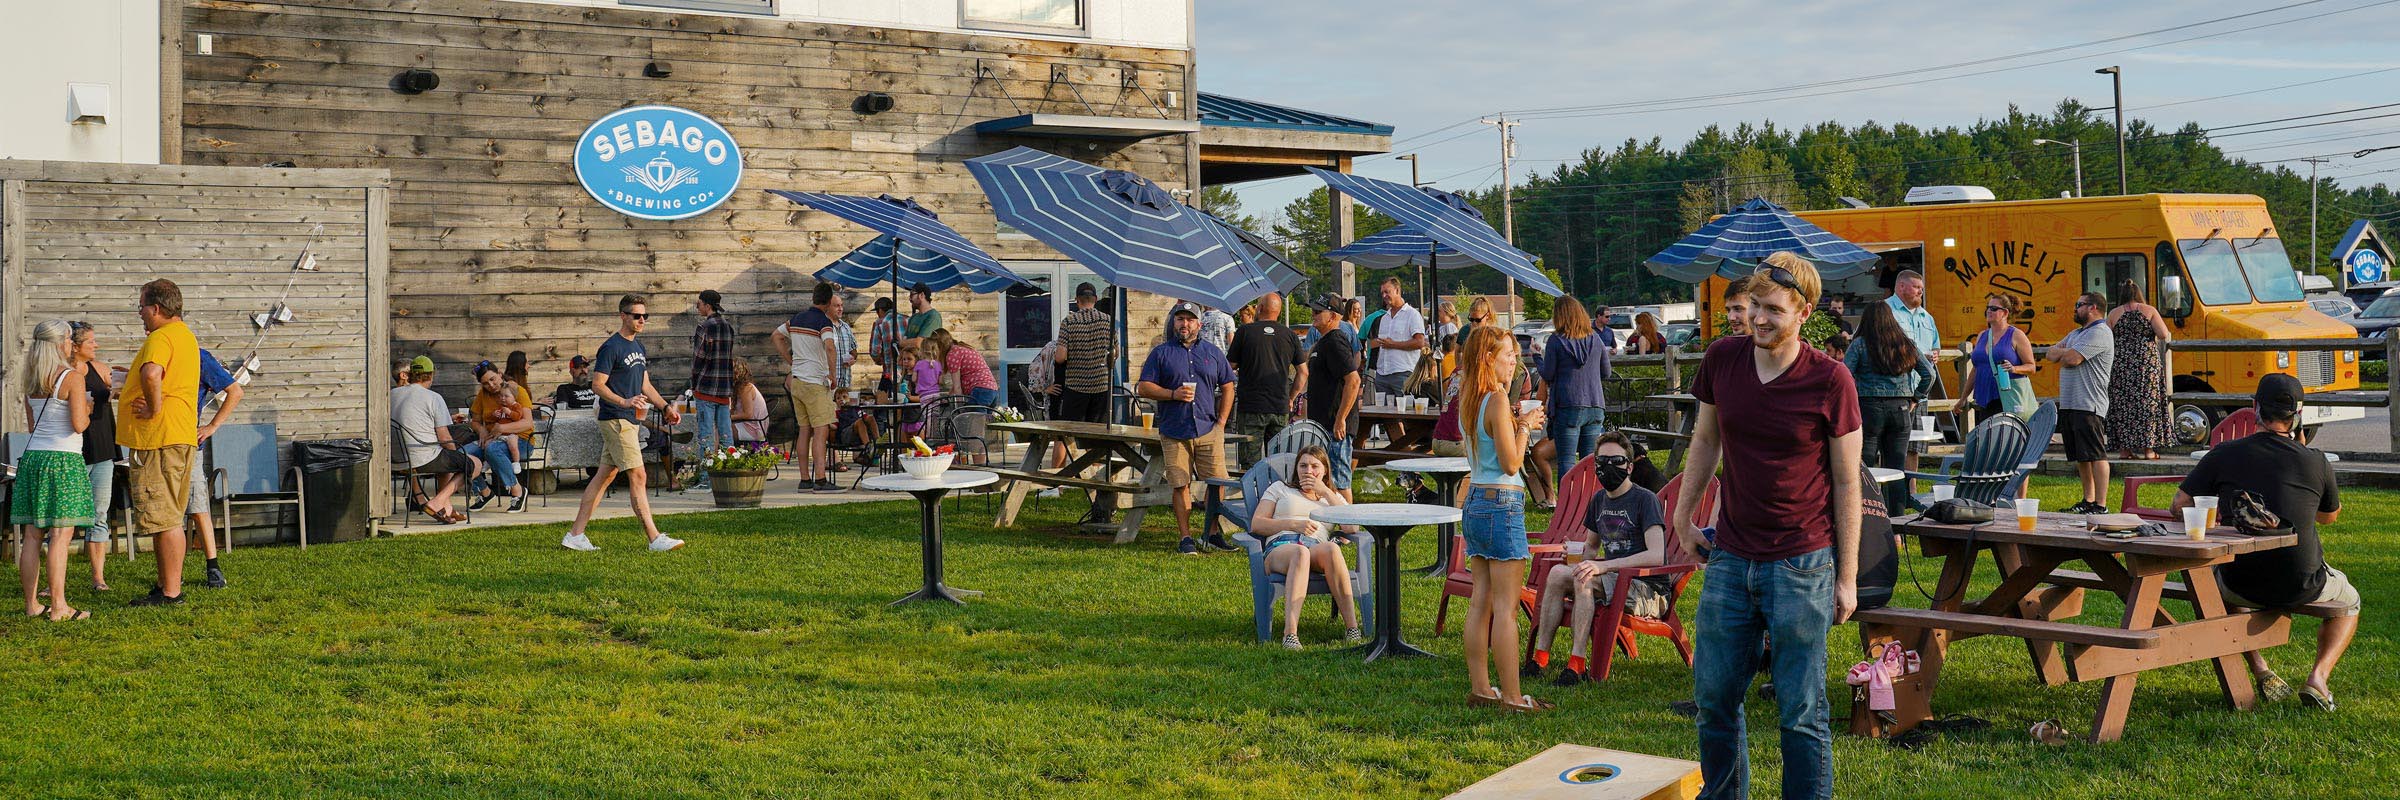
pixel 1575 772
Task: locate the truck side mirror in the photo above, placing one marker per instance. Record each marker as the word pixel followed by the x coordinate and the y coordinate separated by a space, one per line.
pixel 2171 300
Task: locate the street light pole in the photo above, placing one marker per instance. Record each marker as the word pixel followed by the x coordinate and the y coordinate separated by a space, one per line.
pixel 1412 169
pixel 2116 80
pixel 2075 147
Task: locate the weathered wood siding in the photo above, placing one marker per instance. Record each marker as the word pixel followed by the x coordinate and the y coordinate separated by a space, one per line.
pixel 494 246
pixel 78 241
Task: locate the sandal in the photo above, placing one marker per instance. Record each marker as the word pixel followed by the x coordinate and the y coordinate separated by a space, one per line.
pixel 1528 704
pixel 100 587
pixel 1484 700
pixel 42 613
pixel 2273 689
pixel 80 614
pixel 2049 732
pixel 2316 698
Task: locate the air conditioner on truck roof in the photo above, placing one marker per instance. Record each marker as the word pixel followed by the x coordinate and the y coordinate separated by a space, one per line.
pixel 1945 195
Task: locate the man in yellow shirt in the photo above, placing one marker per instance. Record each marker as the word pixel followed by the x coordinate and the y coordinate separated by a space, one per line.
pixel 158 420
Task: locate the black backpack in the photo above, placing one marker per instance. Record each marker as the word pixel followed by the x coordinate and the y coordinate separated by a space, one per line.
pixel 1878 549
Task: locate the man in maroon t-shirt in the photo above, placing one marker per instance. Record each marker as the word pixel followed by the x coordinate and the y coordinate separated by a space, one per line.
pixel 1786 560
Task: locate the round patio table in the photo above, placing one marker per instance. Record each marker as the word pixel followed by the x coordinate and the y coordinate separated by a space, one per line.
pixel 1445 473
pixel 1388 521
pixel 928 492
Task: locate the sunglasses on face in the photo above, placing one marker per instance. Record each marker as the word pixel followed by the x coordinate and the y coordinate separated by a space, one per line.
pixel 636 317
pixel 1611 461
pixel 1989 309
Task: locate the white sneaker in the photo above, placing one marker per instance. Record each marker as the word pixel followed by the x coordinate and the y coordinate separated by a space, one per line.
pixel 1050 492
pixel 577 541
pixel 664 543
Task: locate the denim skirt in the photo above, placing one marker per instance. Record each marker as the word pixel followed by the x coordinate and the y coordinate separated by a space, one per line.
pixel 1494 524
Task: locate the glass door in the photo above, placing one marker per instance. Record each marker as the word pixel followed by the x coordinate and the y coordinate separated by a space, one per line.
pixel 1028 318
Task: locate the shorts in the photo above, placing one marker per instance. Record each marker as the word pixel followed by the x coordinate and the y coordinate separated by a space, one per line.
pixel 1074 406
pixel 812 403
pixel 161 481
pixel 197 502
pixel 1449 448
pixel 621 444
pixel 2086 435
pixel 1206 454
pixel 1494 524
pixel 448 462
pixel 2337 590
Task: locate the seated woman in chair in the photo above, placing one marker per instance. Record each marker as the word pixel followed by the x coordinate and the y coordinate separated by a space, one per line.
pixel 1294 544
pixel 749 407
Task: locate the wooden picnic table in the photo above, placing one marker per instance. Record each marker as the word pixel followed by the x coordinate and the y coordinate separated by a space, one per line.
pixel 1132 474
pixel 2035 597
pixel 1410 434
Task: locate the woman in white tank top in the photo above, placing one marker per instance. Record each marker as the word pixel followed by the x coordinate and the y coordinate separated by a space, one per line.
pixel 1295 545
pixel 53 490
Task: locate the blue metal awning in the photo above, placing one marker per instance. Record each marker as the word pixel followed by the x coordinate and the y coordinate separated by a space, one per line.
pixel 1233 112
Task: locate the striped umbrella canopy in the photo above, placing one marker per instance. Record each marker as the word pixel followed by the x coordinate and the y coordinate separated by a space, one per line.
pixel 1731 246
pixel 1122 226
pixel 1400 246
pixel 873 262
pixel 1262 254
pixel 926 250
pixel 1446 220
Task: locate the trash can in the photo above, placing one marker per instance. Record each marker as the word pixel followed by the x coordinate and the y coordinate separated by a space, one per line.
pixel 336 474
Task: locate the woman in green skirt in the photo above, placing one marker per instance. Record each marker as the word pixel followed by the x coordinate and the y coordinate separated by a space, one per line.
pixel 53 490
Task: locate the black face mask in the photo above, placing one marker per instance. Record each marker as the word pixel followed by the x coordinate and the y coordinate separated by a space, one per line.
pixel 1612 475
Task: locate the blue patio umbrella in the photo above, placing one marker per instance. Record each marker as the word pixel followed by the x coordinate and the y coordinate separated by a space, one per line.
pixel 915 247
pixel 1122 226
pixel 1401 246
pixel 1731 246
pixel 1444 219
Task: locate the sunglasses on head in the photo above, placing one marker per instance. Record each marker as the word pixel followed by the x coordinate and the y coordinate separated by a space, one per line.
pixel 1782 277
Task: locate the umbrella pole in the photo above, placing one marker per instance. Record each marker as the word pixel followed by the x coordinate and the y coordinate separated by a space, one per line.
pixel 891 358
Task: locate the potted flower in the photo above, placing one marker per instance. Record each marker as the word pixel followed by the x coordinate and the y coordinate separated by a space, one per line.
pixel 737 474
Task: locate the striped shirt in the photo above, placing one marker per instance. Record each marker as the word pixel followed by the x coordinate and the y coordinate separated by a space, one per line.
pixel 1086 331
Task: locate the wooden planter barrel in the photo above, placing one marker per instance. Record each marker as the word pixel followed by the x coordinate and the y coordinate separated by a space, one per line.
pixel 738 488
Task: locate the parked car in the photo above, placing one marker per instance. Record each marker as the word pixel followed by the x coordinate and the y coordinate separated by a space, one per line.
pixel 1532 336
pixel 2365 294
pixel 1682 334
pixel 2377 320
pixel 2336 307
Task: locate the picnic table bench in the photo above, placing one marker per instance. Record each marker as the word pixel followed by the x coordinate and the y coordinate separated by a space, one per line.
pixel 1127 459
pixel 2036 599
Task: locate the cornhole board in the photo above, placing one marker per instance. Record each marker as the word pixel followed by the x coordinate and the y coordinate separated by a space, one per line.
pixel 1575 772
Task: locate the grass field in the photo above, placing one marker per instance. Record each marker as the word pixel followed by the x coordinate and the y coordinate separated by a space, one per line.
pixel 761 661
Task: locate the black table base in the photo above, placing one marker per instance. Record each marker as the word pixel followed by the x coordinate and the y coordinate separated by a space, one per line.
pixel 1386 642
pixel 930 531
pixel 1447 485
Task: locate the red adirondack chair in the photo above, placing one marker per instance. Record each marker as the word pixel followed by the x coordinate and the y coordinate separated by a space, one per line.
pixel 1574 494
pixel 1613 625
pixel 2237 425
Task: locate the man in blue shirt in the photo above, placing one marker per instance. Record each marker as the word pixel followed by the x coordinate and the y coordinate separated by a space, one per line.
pixel 1192 384
pixel 1908 305
pixel 621 376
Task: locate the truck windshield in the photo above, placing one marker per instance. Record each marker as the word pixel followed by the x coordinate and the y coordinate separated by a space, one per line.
pixel 2270 269
pixel 2216 274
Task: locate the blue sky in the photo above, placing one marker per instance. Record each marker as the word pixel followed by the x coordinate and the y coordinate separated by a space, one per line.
pixel 1434 63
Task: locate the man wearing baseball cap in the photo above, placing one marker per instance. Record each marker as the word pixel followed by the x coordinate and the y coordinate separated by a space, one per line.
pixel 1332 381
pixel 424 423
pixel 1192 384
pixel 2296 483
pixel 576 392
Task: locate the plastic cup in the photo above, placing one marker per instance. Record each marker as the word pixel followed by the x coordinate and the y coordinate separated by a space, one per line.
pixel 2029 511
pixel 2208 502
pixel 1944 491
pixel 1147 421
pixel 2195 522
pixel 1574 552
pixel 1925 423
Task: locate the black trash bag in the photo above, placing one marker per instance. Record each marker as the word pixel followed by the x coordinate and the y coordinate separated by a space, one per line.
pixel 320 455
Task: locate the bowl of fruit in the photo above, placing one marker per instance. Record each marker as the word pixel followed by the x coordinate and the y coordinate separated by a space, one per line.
pixel 924 462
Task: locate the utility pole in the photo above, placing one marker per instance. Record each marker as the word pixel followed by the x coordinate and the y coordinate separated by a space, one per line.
pixel 2116 80
pixel 2075 147
pixel 1412 170
pixel 1508 208
pixel 2313 264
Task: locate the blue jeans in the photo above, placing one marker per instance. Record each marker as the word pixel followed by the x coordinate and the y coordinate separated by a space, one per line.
pixel 1791 603
pixel 1575 432
pixel 497 460
pixel 715 428
pixel 984 397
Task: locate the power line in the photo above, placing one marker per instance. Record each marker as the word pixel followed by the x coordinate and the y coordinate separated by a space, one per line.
pixel 2267 89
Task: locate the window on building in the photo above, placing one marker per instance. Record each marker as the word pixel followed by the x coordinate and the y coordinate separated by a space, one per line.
pixel 1036 16
pixel 760 7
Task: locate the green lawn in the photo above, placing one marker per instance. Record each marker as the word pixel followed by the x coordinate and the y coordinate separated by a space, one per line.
pixel 761 662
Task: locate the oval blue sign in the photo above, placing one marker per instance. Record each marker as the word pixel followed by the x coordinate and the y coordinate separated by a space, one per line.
pixel 2366 266
pixel 658 162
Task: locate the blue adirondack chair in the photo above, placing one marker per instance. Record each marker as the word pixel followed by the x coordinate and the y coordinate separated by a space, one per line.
pixel 2037 442
pixel 1297 437
pixel 1265 587
pixel 1994 451
pixel 1292 439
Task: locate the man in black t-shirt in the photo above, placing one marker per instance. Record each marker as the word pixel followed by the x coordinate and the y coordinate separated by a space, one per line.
pixel 1331 376
pixel 577 392
pixel 2297 484
pixel 1264 353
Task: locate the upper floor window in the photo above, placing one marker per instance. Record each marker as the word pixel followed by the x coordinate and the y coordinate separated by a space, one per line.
pixel 1031 16
pixel 760 7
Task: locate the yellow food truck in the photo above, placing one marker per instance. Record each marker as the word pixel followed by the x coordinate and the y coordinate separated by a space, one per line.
pixel 2213 264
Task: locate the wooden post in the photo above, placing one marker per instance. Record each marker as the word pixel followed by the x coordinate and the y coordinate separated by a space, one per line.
pixel 12 293
pixel 379 347
pixel 170 81
pixel 2391 389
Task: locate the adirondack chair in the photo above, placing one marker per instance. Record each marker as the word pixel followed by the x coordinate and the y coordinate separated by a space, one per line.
pixel 1995 451
pixel 1266 586
pixel 1297 437
pixel 1614 624
pixel 2037 444
pixel 2237 425
pixel 1574 495
pixel 1292 439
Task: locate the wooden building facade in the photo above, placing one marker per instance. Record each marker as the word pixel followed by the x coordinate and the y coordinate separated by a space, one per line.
pixel 494 245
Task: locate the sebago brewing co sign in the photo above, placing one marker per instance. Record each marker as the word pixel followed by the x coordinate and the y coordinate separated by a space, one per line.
pixel 658 162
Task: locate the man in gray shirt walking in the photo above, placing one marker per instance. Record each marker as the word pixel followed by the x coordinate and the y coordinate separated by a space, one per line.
pixel 2087 355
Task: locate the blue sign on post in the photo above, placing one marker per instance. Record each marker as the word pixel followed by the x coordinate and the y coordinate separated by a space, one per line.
pixel 2366 266
pixel 658 162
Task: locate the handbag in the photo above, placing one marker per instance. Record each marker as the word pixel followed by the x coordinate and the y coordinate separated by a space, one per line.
pixel 2247 512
